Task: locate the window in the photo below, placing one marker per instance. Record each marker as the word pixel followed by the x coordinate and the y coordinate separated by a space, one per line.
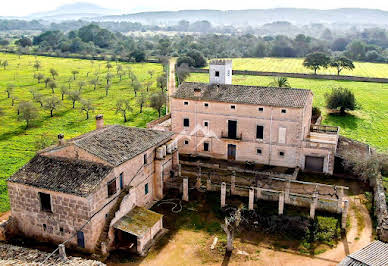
pixel 121 181
pixel 206 146
pixel 186 122
pixel 206 104
pixel 259 132
pixel 186 103
pixel 146 189
pixel 261 109
pixel 282 135
pixel 44 227
pixel 205 123
pixel 145 159
pixel 217 74
pixel 284 111
pixel 112 187
pixel 281 153
pixel 258 151
pixel 61 229
pixel 186 142
pixel 45 202
pixel 233 107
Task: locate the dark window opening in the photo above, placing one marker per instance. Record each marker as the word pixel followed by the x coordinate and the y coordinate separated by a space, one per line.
pixel 206 104
pixel 217 74
pixel 146 189
pixel 61 229
pixel 145 159
pixel 281 153
pixel 261 109
pixel 45 202
pixel 206 146
pixel 186 142
pixel 206 124
pixel 112 187
pixel 186 122
pixel 121 181
pixel 232 129
pixel 284 111
pixel 258 151
pixel 259 132
pixel 44 227
pixel 186 103
pixel 80 239
pixel 233 107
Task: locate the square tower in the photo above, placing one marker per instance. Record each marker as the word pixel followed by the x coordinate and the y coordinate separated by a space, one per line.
pixel 220 72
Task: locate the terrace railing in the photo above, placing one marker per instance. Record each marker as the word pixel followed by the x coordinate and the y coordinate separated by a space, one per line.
pixel 324 129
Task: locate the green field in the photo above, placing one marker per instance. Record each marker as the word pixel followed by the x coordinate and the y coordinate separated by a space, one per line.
pixel 17 145
pixel 368 124
pixel 294 65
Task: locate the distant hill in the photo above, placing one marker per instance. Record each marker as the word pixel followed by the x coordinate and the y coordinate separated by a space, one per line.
pixel 74 11
pixel 258 16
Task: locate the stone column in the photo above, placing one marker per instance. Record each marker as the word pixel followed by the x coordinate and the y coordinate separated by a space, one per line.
pixel 345 214
pixel 185 189
pixel 62 251
pixel 233 183
pixel 158 179
pixel 313 205
pixel 281 203
pixel 251 198
pixel 223 194
pixel 340 197
pixel 209 185
pixel 287 192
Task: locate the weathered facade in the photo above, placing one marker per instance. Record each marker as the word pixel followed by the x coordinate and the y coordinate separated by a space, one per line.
pixel 78 189
pixel 265 125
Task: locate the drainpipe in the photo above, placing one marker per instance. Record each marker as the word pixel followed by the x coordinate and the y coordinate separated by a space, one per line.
pixel 270 139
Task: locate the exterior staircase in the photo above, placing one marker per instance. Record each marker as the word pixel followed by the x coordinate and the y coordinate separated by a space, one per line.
pixel 111 214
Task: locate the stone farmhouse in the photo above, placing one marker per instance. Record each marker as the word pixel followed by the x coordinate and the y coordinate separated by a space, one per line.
pixel 265 125
pixel 94 191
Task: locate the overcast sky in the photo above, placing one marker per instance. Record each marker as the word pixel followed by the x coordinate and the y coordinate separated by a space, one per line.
pixel 25 7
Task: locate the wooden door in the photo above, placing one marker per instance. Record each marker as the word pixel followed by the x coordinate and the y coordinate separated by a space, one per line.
pixel 314 164
pixel 231 152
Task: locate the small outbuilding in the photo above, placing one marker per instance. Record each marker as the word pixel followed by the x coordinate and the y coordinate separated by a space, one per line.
pixel 374 254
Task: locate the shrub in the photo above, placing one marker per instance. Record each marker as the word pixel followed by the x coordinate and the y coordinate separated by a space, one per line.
pixel 341 98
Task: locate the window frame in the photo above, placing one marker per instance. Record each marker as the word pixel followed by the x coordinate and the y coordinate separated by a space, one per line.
pixel 146 189
pixel 108 184
pixel 262 132
pixel 282 154
pixel 185 103
pixel 186 142
pixel 283 111
pixel 206 144
pixel 233 107
pixel 206 105
pixel 260 109
pixel 184 122
pixel 47 206
pixel 217 73
pixel 259 151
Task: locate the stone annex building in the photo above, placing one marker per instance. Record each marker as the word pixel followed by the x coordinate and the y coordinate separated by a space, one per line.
pixel 266 125
pixel 95 189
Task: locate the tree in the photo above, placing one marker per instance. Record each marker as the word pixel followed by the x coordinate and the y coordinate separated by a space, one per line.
pixel 4 64
pixel 87 106
pixel 13 99
pixel 37 65
pixel 108 66
pixel 52 85
pixel 37 97
pixel 39 77
pixel 64 90
pixel 24 42
pixel 162 82
pixel 107 88
pixel 148 84
pixel 46 81
pixel 94 82
pixel 74 72
pixel 182 72
pixel 120 74
pixel 27 112
pixel 136 86
pixel 108 78
pixel 316 61
pixel 342 62
pixel 280 82
pixel 81 85
pixel 341 98
pixel 74 96
pixel 231 225
pixel 119 68
pixel 151 73
pixel 123 106
pixel 157 101
pixel 132 77
pixel 9 89
pixel 51 103
pixel 53 73
pixel 141 101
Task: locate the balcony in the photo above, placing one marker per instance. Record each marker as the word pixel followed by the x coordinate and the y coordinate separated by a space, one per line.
pixel 324 129
pixel 323 135
pixel 226 135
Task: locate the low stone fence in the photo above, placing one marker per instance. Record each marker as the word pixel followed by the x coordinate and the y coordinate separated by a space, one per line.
pixel 158 121
pixel 298 75
pixel 380 209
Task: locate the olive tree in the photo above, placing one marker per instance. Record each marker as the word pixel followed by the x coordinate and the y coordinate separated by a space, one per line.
pixel 39 77
pixel 316 61
pixel 52 85
pixel 27 112
pixel 64 90
pixel 9 89
pixel 37 97
pixel 123 106
pixel 342 99
pixel 37 65
pixel 231 225
pixel 341 63
pixel 74 72
pixel 87 107
pixel 74 96
pixel 51 104
pixel 157 101
pixel 53 73
pixel 141 100
pixel 94 82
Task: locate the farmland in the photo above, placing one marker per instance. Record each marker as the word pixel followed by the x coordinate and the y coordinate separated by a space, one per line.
pixel 368 124
pixel 295 65
pixel 18 144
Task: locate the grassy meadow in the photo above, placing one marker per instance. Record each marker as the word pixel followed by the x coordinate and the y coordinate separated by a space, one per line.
pixel 295 65
pixel 367 124
pixel 18 145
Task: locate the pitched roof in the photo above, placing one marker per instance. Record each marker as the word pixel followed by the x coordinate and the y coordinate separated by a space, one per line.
pixel 117 144
pixel 269 96
pixel 62 174
pixel 374 254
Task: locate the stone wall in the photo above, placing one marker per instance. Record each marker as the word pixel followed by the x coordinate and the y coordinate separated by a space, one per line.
pixel 380 209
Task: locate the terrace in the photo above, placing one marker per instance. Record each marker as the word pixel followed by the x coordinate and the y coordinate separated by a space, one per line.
pixel 323 135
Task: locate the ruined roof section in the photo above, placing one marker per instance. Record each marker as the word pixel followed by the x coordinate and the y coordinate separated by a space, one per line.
pixel 117 144
pixel 220 62
pixel 268 96
pixel 61 174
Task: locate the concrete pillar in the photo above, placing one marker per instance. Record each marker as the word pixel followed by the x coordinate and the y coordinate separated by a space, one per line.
pixel 251 198
pixel 185 189
pixel 313 205
pixel 179 170
pixel 158 179
pixel 287 192
pixel 233 183
pixel 340 198
pixel 209 185
pixel 223 194
pixel 281 203
pixel 62 251
pixel 345 213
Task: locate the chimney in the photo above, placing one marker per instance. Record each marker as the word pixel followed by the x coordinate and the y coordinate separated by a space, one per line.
pixel 61 139
pixel 99 121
